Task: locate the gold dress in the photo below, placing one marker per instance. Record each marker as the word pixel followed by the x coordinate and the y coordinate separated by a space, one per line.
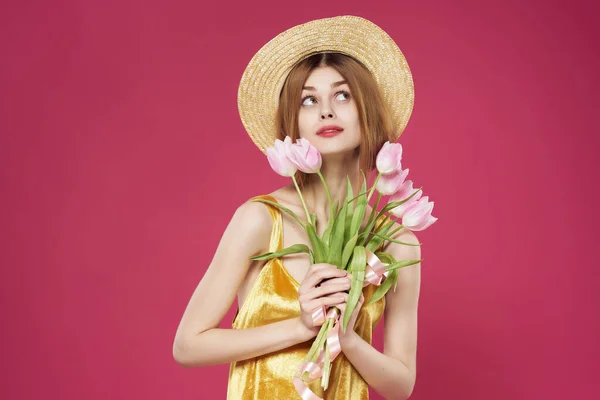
pixel 274 297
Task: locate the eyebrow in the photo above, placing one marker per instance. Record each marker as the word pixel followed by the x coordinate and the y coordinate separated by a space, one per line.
pixel 334 84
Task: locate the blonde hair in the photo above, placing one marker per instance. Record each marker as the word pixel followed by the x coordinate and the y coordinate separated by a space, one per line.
pixel 375 118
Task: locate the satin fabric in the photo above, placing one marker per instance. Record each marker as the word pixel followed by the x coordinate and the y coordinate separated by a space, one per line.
pixel 274 297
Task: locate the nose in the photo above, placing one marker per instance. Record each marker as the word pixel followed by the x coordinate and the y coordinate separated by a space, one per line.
pixel 326 113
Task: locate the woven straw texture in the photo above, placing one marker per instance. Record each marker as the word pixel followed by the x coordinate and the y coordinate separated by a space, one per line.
pixel 261 83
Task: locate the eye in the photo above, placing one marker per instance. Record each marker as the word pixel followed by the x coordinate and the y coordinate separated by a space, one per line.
pixel 346 94
pixel 307 98
pixel 311 97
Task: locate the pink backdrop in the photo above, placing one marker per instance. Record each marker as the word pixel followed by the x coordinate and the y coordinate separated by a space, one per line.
pixel 111 119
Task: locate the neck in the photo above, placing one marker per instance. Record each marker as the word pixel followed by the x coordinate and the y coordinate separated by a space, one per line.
pixel 336 169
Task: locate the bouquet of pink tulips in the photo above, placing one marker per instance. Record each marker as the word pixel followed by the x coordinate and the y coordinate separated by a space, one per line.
pixel 344 244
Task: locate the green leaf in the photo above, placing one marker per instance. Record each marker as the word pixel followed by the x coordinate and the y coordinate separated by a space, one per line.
pixel 392 277
pixel 348 249
pixel 385 257
pixel 330 225
pixel 401 264
pixel 357 268
pixel 385 209
pixel 320 252
pixel 279 206
pixel 359 212
pixel 374 242
pixel 389 239
pixel 361 236
pixel 362 192
pixel 349 194
pixel 335 248
pixel 393 204
pixel 384 287
pixel 349 211
pixel 372 220
pixel 369 228
pixel 327 233
pixel 294 249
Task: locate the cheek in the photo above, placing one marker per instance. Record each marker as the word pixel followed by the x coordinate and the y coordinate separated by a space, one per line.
pixel 304 119
pixel 351 115
pixel 301 122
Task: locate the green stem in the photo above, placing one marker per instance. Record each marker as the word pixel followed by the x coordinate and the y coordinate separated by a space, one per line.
pixel 379 196
pixel 373 187
pixel 319 341
pixel 397 229
pixel 374 212
pixel 302 200
pixel 328 194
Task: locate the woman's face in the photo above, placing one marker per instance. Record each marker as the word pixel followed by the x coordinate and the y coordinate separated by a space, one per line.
pixel 326 101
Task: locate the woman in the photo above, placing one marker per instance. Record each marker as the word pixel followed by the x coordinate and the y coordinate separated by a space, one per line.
pixel 347 110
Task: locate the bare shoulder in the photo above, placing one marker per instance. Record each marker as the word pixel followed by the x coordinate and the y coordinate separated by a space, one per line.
pixel 252 215
pixel 408 249
pixel 253 221
pixel 286 195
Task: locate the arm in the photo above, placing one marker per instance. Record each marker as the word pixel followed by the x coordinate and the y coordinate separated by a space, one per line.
pixel 393 372
pixel 198 340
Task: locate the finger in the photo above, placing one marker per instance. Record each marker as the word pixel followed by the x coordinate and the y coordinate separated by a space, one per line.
pixel 324 301
pixel 319 266
pixel 314 268
pixel 335 281
pixel 317 273
pixel 326 290
pixel 323 273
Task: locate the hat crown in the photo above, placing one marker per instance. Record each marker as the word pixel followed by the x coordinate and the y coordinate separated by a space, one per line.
pixel 357 37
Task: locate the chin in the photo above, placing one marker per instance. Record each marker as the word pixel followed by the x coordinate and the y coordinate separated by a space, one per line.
pixel 336 149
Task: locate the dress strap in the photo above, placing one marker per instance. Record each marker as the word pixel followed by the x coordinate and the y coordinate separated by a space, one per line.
pixel 276 241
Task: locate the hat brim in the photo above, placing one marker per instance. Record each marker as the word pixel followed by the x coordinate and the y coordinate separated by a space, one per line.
pixel 263 78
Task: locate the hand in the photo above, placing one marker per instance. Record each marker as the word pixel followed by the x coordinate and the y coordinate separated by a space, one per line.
pixel 313 293
pixel 350 334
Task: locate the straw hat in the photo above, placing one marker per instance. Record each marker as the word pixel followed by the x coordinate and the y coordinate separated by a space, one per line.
pixel 262 81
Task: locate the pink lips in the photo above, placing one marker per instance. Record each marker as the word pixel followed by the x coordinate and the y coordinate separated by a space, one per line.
pixel 328 131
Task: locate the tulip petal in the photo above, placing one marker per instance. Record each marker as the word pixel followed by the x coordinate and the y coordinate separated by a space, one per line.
pixel 304 155
pixel 391 183
pixel 389 158
pixel 418 216
pixel 279 161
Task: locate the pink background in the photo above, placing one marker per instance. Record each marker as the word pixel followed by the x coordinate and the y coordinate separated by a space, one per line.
pixel 112 117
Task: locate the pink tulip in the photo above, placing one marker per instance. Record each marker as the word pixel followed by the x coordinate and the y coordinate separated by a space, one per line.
pixel 303 155
pixel 418 216
pixel 279 161
pixel 389 158
pixel 390 183
pixel 403 193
